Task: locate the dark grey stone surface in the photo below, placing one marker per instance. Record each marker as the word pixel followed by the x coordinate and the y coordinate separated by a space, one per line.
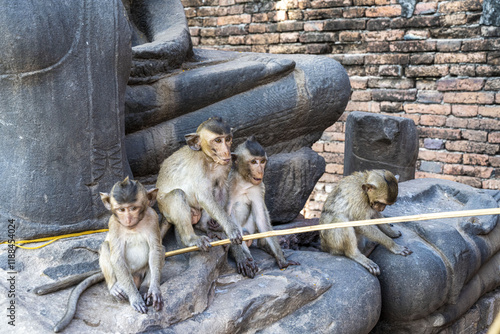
pixel 375 141
pixel 491 13
pixel 407 7
pixel 64 66
pixel 454 261
pixel 290 178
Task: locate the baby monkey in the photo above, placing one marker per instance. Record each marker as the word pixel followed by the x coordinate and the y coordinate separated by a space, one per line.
pixel 132 252
pixel 360 196
pixel 247 207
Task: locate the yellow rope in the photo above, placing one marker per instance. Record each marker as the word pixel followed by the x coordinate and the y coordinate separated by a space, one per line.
pixel 51 239
pixel 428 216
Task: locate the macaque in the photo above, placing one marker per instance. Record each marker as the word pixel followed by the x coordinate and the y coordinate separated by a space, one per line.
pixel 192 183
pixel 360 196
pixel 131 254
pixel 247 207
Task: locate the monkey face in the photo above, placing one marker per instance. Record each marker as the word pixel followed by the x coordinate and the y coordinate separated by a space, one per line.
pixel 128 214
pixel 256 167
pixel 219 149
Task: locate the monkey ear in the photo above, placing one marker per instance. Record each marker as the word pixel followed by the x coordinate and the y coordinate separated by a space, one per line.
pixel 105 200
pixel 152 196
pixel 193 141
pixel 397 177
pixel 367 186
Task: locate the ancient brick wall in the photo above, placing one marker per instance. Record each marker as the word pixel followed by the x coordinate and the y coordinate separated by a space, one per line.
pixel 439 66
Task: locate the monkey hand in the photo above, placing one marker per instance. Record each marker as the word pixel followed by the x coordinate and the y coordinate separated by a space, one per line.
pixel 154 298
pixel 138 303
pixel 247 268
pixel 286 263
pixel 202 242
pixel 234 234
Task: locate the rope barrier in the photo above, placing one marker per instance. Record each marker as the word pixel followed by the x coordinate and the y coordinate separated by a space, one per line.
pixel 273 233
pixel 401 219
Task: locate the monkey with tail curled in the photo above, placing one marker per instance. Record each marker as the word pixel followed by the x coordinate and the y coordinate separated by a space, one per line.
pixel 360 196
pixel 130 256
pixel 247 207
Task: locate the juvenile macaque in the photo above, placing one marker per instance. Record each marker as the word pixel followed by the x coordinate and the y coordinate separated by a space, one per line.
pixel 247 207
pixel 192 183
pixel 132 253
pixel 360 196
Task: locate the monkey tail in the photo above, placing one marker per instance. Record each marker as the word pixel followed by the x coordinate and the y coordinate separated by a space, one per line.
pixel 63 284
pixel 73 300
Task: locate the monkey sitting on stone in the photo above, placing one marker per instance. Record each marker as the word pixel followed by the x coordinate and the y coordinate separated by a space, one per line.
pixel 360 196
pixel 247 207
pixel 132 253
pixel 192 184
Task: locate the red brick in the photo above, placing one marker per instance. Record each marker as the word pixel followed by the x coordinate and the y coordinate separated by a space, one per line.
pixel 447 58
pixel 234 19
pixel 388 35
pixel 390 70
pixel 440 156
pixel 377 47
pixel 425 8
pixel 491 184
pixel 474 135
pixel 420 175
pixel 448 45
pixel 472 147
pixel 494 137
pixel 470 84
pixel 487 71
pixel 235 10
pixel 463 70
pixel 413 46
pixel 489 124
pixel 334 169
pixel 263 39
pixel 383 11
pixel 322 14
pixel 260 17
pixel 391 107
pixel 257 28
pixel 395 83
pixel 495 161
pixel 329 3
pixel 469 98
pixel 432 120
pixel 470 181
pixel 358 82
pixel 476 159
pixel 354 12
pixel 290 37
pixel 236 40
pixel 335 147
pixel 454 19
pixel 434 109
pixel 439 133
pixel 394 94
pixel 460 6
pixel 295 15
pixel 427 71
pixel 349 36
pixel 289 49
pixel 489 111
pixel 464 110
pixel 397 59
pixel 363 106
pixel 361 96
pixel 424 84
pixel 429 96
pixel 314 26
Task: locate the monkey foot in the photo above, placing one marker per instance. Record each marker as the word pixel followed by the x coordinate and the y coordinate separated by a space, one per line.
pixel 118 292
pixel 247 268
pixel 405 251
pixel 372 267
pixel 154 299
pixel 139 305
pixel 286 263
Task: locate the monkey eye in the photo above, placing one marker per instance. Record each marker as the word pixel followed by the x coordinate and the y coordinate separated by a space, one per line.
pixel 253 162
pixel 229 139
pixel 263 161
pixel 218 140
pixel 121 210
pixel 134 208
